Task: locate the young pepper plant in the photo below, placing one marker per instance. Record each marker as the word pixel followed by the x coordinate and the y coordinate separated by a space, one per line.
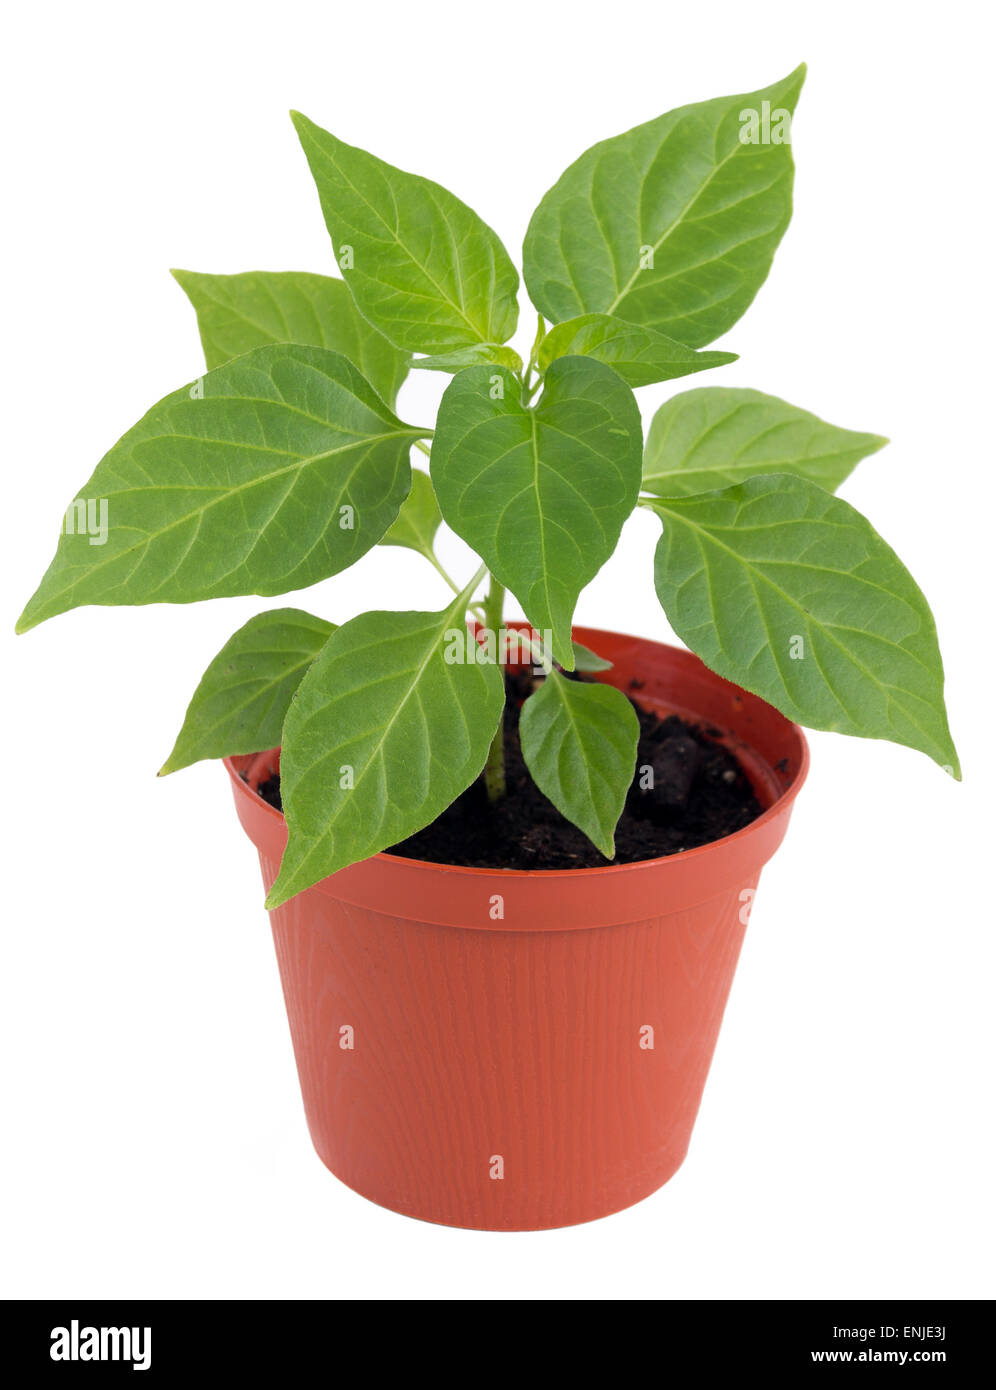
pixel 286 462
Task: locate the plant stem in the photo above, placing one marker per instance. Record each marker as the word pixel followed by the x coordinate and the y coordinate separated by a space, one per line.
pixel 540 335
pixel 494 768
pixel 526 376
pixel 430 556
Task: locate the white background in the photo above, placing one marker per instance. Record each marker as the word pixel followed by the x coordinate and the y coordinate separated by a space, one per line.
pixel 154 1143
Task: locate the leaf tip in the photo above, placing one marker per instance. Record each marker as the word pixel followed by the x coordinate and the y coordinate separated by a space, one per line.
pixel 791 86
pixel 953 769
pixel 26 621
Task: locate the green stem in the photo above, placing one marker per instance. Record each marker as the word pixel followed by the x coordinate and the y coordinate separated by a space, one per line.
pixel 534 354
pixel 430 556
pixel 529 385
pixel 494 768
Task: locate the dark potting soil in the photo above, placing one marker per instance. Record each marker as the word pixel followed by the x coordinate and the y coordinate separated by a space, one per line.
pixel 699 793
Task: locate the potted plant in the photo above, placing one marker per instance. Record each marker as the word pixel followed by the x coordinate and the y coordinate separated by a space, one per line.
pixel 510 866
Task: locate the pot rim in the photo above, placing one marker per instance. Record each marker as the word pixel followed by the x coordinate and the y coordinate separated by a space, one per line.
pixel 777 807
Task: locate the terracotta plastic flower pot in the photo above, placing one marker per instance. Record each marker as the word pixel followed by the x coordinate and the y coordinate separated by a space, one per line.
pixel 516 1050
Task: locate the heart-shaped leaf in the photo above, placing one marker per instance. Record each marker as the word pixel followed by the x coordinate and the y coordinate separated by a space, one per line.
pixel 423 268
pixel 236 313
pixel 270 473
pixel 384 733
pixel 541 492
pixel 639 355
pixel 674 224
pixel 790 593
pixel 715 436
pixel 243 696
pixel 579 743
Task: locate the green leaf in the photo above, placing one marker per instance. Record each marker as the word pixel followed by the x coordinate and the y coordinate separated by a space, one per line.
pixel 790 593
pixel 419 518
pixel 639 355
pixel 422 266
pixel 479 355
pixel 587 660
pixel 673 225
pixel 383 735
pixel 268 474
pixel 540 493
pixel 579 743
pixel 236 313
pixel 712 437
pixel 243 696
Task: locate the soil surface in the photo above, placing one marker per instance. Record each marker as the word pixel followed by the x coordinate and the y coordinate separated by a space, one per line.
pixel 699 793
